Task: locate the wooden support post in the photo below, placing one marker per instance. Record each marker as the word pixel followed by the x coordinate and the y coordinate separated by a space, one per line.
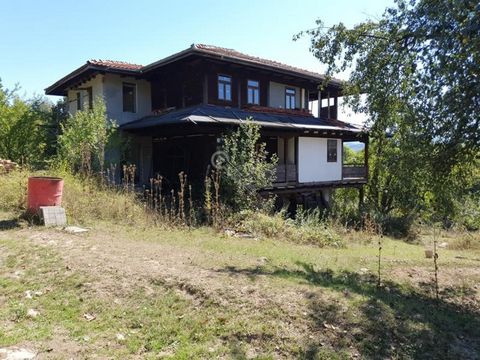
pixel 307 100
pixel 365 153
pixel 328 108
pixel 165 100
pixel 285 157
pixel 360 199
pixel 335 107
pixel 267 93
pixel 302 98
pixel 319 104
pixel 239 94
pixel 205 89
pixel 183 95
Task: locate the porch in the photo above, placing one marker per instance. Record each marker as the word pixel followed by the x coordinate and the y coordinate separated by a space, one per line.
pixel 319 162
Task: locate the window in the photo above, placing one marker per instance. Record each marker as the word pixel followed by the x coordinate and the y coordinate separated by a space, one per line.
pixel 90 97
pixel 253 92
pixel 129 98
pixel 79 101
pixel 224 88
pixel 289 98
pixel 331 150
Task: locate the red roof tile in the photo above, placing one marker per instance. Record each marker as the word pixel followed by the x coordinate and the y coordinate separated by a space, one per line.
pixel 112 64
pixel 253 59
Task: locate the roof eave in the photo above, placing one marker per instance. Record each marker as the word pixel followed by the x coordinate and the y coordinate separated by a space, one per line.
pixel 209 54
pixel 57 87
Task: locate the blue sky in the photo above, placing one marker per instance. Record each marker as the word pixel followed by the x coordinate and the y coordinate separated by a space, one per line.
pixel 44 40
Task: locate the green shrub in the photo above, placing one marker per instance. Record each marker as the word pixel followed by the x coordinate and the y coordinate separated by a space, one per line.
pixel 245 167
pixel 308 227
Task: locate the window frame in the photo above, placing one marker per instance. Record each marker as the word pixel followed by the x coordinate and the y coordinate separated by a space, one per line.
pixel 224 83
pixel 134 102
pixel 288 98
pixel 332 157
pixel 90 97
pixel 79 101
pixel 254 89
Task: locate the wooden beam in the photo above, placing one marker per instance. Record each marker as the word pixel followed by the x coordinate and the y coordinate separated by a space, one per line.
pixel 239 94
pixel 328 108
pixel 319 104
pixel 365 153
pixel 205 89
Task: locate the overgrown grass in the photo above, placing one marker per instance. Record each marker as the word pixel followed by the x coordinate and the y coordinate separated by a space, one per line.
pixel 341 309
pixel 149 320
pixel 307 228
pixel 84 199
pixel 87 202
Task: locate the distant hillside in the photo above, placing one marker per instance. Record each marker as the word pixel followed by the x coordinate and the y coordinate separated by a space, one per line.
pixel 355 146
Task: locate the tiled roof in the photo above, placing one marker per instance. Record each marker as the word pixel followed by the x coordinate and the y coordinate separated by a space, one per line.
pixel 253 59
pixel 112 64
pixel 226 54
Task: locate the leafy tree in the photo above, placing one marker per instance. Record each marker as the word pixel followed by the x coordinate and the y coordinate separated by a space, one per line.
pixel 22 132
pixel 415 72
pixel 352 157
pixel 84 138
pixel 246 166
pixel 58 115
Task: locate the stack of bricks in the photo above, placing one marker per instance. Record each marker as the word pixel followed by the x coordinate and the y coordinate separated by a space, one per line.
pixel 7 166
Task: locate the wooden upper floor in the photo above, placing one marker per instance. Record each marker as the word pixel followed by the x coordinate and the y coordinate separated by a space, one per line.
pixel 201 74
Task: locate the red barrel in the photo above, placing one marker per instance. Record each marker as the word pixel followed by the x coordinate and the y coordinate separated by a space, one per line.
pixel 44 191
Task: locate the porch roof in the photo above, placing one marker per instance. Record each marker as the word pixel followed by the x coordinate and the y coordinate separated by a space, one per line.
pixel 225 115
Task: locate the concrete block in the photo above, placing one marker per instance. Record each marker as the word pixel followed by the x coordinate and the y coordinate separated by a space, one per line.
pixel 53 216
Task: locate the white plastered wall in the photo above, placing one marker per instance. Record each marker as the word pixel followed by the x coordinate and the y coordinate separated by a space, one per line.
pixel 97 91
pixel 277 95
pixel 312 161
pixel 113 95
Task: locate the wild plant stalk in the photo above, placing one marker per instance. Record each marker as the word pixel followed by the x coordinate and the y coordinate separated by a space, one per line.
pixel 435 262
pixel 379 283
pixel 216 185
pixel 191 218
pixel 172 206
pixel 181 196
pixel 207 202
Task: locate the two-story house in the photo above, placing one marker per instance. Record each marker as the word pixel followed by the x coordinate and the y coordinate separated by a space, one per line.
pixel 176 109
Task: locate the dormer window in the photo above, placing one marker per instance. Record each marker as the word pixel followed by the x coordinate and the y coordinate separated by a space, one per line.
pixel 253 92
pixel 289 98
pixel 224 88
pixel 129 97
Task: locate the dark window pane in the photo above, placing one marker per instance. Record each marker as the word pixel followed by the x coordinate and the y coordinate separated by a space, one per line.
pixel 256 98
pixel 253 92
pixel 129 98
pixel 331 150
pixel 224 88
pixel 289 98
pixel 79 101
pixel 90 97
pixel 228 92
pixel 221 92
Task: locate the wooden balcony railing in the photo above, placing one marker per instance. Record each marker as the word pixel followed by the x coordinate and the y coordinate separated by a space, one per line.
pixel 286 173
pixel 354 172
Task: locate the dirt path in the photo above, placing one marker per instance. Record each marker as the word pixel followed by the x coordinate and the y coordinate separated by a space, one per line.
pixel 121 266
pixel 322 308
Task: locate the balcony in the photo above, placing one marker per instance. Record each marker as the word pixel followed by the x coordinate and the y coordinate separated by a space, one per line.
pixel 354 172
pixel 286 173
